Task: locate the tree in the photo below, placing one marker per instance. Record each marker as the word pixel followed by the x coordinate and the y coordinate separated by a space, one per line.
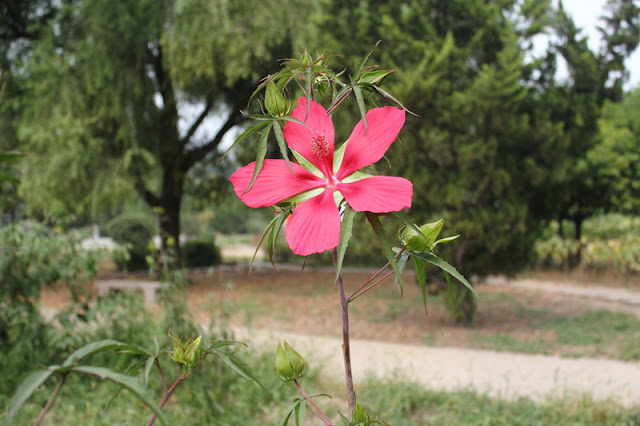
pixel 482 138
pixel 594 78
pixel 121 96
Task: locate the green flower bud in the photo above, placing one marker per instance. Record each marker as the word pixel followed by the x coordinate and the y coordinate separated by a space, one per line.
pixel 423 241
pixel 289 364
pixel 274 101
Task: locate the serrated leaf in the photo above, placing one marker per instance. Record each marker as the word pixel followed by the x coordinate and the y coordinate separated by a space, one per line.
pixel 386 245
pixel 442 264
pixel 261 153
pixel 277 130
pixel 418 267
pixel 29 385
pixel 102 346
pixel 374 77
pixel 128 382
pixel 366 58
pixel 346 230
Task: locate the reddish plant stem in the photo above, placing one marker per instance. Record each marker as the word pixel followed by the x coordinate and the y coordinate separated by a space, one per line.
pixel 362 291
pixel 346 347
pixel 49 403
pixel 166 397
pixel 318 413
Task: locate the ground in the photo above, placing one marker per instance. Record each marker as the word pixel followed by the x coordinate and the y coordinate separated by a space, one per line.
pixel 307 303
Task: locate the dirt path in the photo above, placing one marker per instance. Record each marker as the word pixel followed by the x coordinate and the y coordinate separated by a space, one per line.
pixel 502 375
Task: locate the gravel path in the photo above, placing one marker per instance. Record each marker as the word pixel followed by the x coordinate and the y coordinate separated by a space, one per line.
pixel 499 374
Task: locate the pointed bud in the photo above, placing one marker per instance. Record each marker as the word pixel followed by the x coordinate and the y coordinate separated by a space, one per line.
pixel 424 240
pixel 289 364
pixel 274 101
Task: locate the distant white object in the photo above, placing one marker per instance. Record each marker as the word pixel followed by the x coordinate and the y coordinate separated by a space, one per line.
pixel 98 243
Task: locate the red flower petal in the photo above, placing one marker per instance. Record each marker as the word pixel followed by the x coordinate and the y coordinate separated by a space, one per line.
pixel 275 183
pixel 315 143
pixel 378 194
pixel 362 149
pixel 314 226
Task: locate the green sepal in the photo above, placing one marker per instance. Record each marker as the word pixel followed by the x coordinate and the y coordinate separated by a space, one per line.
pixel 346 230
pixel 277 130
pixel 307 165
pixel 260 156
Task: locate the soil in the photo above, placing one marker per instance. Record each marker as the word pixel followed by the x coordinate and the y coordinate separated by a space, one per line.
pixel 308 303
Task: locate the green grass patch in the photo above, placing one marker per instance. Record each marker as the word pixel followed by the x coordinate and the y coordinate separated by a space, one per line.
pixel 507 343
pixel 614 334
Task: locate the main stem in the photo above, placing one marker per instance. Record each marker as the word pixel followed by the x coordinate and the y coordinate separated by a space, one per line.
pixel 346 348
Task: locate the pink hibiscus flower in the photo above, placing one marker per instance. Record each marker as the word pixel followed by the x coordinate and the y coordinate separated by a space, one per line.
pixel 325 178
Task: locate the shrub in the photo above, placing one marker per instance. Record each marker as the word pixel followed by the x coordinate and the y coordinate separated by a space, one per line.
pixel 135 231
pixel 200 253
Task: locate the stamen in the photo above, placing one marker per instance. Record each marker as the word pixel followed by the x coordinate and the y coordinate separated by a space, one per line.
pixel 320 146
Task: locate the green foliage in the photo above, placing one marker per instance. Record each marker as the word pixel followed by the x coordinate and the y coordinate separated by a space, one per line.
pixel 135 232
pixel 34 255
pixel 610 242
pixel 201 253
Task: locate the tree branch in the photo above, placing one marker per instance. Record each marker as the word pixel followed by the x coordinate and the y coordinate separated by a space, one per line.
pixel 197 122
pixel 149 197
pixel 198 153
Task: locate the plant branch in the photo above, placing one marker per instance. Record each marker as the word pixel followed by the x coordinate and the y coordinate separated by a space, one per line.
pixel 319 414
pixel 358 292
pixel 164 382
pixel 346 347
pixel 363 290
pixel 49 403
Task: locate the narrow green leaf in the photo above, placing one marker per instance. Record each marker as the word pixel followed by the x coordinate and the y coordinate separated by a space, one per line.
pixel 273 237
pixel 216 344
pixel 128 382
pixel 442 264
pixel 277 130
pixel 418 267
pixel 248 132
pixel 102 346
pixel 392 99
pixel 361 107
pixel 29 385
pixel 345 421
pixel 346 230
pixel 301 414
pixel 260 155
pixel 402 262
pixel 147 368
pixel 386 245
pixel 262 237
pixel 240 367
pixel 307 165
pixel 366 58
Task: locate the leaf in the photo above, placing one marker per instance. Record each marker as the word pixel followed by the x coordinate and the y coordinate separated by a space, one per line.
pixel 262 237
pixel 224 343
pixel 402 262
pixel 248 132
pixel 366 58
pixel 127 382
pixel 386 245
pixel 374 77
pixel 418 266
pixel 277 130
pixel 346 230
pixel 260 155
pixel 301 414
pixel 240 367
pixel 273 236
pixel 442 264
pixel 102 346
pixel 29 385
pixel 147 368
pixel 361 107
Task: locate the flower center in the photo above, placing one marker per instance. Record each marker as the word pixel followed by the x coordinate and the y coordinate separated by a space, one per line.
pixel 320 146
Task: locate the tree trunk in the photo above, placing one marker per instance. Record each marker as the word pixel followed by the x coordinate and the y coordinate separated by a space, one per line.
pixel 169 222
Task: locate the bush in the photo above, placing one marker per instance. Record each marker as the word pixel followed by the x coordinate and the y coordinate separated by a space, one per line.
pixel 135 231
pixel 200 253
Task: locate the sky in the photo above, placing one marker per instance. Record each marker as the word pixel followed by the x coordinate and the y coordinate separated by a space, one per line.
pixel 585 14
